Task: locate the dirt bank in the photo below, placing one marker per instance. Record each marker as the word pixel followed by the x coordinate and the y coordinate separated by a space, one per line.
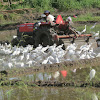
pixel 85 63
pixel 28 16
pixel 14 25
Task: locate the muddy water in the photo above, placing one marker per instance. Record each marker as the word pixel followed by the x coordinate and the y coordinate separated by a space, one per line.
pixel 54 93
pixel 24 92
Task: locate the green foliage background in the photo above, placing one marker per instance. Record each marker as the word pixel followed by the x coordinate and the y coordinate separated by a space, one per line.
pixel 51 5
pixel 58 4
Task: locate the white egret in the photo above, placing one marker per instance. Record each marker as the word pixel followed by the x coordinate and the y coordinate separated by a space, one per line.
pixel 22 64
pixel 84 30
pixel 21 57
pixel 30 63
pixel 71 52
pixel 78 32
pixel 14 36
pixel 93 26
pixel 98 55
pixel 82 56
pixel 96 38
pixel 92 74
pixel 8 51
pixel 45 61
pixel 74 70
pixel 51 59
pixel 16 52
pixel 10 65
pixel 49 62
pixel 56 74
pixel 28 56
pixel 72 47
pixel 19 64
pixel 96 34
pixel 78 52
pixel 44 48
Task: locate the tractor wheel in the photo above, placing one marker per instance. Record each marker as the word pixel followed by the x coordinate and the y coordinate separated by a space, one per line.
pixel 14 42
pixel 28 39
pixel 98 42
pixel 43 36
pixel 22 43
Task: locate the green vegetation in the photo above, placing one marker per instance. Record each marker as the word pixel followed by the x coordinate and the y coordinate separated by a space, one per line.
pixel 15 93
pixel 38 6
pixel 59 4
pixel 87 17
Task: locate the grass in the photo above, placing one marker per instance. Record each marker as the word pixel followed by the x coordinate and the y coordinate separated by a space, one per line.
pixel 30 15
pixel 7 35
pixel 58 4
pixel 80 27
pixel 57 93
pixel 87 17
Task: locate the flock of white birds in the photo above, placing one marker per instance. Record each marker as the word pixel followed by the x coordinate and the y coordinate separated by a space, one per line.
pixel 27 56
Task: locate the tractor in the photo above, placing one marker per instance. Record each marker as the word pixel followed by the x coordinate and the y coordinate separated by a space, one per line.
pixel 45 33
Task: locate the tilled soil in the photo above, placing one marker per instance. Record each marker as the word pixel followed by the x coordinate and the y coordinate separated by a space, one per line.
pixel 52 84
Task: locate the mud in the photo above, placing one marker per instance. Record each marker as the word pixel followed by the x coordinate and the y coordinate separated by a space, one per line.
pixel 9 26
pixel 13 26
pixel 51 83
pixel 53 67
pixel 63 82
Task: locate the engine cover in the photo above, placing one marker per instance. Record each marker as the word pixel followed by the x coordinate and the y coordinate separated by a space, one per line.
pixel 26 27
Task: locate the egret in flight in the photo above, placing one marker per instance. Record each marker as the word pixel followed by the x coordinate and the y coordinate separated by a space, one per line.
pixel 93 26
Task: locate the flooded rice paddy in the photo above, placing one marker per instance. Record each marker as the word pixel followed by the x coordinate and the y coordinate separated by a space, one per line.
pixel 54 93
pixel 27 89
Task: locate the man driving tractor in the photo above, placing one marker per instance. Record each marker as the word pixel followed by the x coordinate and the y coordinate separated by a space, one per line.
pixel 49 17
pixel 46 17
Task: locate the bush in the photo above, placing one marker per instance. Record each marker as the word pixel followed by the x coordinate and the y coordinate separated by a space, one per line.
pixel 41 5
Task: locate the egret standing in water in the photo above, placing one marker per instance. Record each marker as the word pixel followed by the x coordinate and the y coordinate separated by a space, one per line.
pixel 84 30
pixel 96 34
pixel 92 74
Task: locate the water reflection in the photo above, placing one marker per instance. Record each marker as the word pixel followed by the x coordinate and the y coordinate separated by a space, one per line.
pixel 54 93
pixel 47 76
pixel 1 95
pixel 38 77
pixel 14 78
pixel 94 96
pixel 29 77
